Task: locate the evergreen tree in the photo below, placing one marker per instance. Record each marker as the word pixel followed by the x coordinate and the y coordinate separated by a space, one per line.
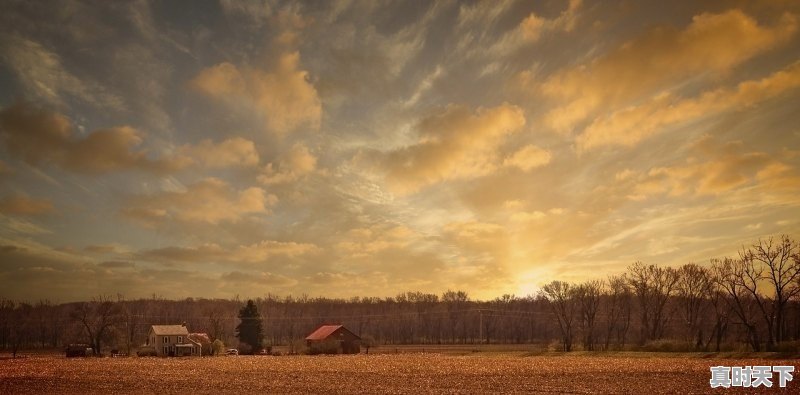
pixel 249 329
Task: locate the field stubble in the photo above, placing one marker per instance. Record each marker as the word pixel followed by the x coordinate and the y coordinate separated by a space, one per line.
pixel 387 373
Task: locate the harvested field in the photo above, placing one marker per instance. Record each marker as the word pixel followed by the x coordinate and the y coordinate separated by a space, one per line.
pixel 402 373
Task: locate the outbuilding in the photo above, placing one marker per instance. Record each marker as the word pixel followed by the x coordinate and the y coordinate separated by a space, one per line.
pixel 346 341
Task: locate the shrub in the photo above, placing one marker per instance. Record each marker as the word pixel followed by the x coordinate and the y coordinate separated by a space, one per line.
pixel 146 352
pixel 218 347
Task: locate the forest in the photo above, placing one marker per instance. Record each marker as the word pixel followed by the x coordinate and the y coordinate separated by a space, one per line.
pixel 750 302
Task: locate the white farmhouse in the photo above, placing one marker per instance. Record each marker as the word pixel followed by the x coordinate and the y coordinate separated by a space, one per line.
pixel 172 341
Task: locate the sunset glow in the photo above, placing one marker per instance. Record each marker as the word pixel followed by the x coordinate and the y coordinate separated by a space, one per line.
pixel 346 148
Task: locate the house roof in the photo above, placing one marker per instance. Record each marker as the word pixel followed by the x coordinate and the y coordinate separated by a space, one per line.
pixel 167 330
pixel 324 331
pixel 201 338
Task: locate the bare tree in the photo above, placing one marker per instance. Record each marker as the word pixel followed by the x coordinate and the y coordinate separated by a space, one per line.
pixel 562 300
pixel 693 287
pixel 588 298
pixel 98 318
pixel 781 268
pixel 456 302
pixel 720 308
pixel 736 278
pixel 619 310
pixel 653 287
pixel 20 325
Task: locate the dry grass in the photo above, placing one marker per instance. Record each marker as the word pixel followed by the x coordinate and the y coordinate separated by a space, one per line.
pixel 403 373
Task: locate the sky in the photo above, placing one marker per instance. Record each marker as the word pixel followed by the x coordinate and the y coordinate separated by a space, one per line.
pixel 367 148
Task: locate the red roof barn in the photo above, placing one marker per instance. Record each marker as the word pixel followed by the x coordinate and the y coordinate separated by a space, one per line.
pixel 346 341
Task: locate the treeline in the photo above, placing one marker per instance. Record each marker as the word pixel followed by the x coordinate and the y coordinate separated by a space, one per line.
pixel 751 301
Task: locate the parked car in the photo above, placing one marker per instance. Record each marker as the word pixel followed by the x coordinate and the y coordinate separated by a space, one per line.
pixel 232 351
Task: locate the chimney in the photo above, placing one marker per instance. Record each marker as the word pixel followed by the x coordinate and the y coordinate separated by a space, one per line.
pixel 183 323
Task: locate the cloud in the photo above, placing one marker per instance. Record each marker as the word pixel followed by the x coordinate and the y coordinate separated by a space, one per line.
pixel 475 236
pixel 631 125
pixel 262 252
pixel 209 201
pixel 23 205
pixel 26 270
pixel 232 152
pixel 113 248
pixel 527 158
pixel 711 43
pixel 455 143
pixel 260 278
pixel 530 216
pixel 38 136
pixel 117 265
pixel 726 167
pixel 295 164
pixel 43 76
pixel 479 248
pixel 366 242
pixel 534 26
pixel 476 23
pixel 283 97
pixel 200 253
pixel 265 250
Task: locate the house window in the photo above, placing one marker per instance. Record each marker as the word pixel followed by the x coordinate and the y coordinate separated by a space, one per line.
pixel 180 339
pixel 166 350
pixel 166 339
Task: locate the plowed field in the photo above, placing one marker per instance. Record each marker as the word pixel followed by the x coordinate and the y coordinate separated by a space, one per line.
pixel 403 373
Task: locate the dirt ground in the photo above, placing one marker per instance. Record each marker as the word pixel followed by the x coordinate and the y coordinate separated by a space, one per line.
pixel 377 373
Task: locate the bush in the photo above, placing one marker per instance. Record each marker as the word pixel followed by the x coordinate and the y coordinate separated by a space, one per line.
pixel 146 352
pixel 218 347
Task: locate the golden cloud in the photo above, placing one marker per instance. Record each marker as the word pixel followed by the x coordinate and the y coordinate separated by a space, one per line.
pixel 366 242
pixel 283 97
pixel 534 26
pixel 39 136
pixel 727 166
pixel 261 252
pixel 711 43
pixel 232 152
pixel 295 164
pixel 528 157
pixel 260 278
pixel 629 126
pixel 210 201
pixel 456 143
